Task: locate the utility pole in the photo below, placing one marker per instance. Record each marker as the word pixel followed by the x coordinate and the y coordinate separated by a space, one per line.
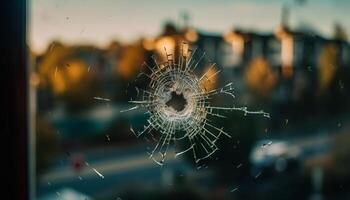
pixel 285 15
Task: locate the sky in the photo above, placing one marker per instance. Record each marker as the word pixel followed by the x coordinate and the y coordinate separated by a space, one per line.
pixel 98 22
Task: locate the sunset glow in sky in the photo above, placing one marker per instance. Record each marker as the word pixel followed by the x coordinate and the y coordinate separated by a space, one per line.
pixel 99 21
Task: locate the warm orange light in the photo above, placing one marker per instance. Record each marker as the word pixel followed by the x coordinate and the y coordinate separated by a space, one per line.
pixel 130 61
pixel 282 32
pixel 165 43
pixel 148 44
pixel 75 71
pixel 191 35
pixel 209 78
pixel 185 50
pixel 287 48
pixel 69 76
pixel 260 77
pixel 58 83
pixel 237 42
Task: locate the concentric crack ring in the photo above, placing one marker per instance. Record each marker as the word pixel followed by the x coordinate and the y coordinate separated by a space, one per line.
pixel 188 128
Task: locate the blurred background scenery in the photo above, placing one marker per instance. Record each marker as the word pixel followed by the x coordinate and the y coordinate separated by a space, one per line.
pixel 290 58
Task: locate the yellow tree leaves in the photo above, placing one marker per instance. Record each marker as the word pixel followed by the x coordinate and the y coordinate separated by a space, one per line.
pixel 260 77
pixel 328 66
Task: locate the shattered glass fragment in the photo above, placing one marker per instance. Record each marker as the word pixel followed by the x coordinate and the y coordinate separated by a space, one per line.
pixel 95 170
pixel 102 99
pixel 257 175
pixel 108 138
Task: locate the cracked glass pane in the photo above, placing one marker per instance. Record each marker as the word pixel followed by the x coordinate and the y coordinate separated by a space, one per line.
pixel 178 103
pixel 220 100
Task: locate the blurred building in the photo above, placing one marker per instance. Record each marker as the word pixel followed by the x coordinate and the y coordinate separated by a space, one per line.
pixel 282 65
